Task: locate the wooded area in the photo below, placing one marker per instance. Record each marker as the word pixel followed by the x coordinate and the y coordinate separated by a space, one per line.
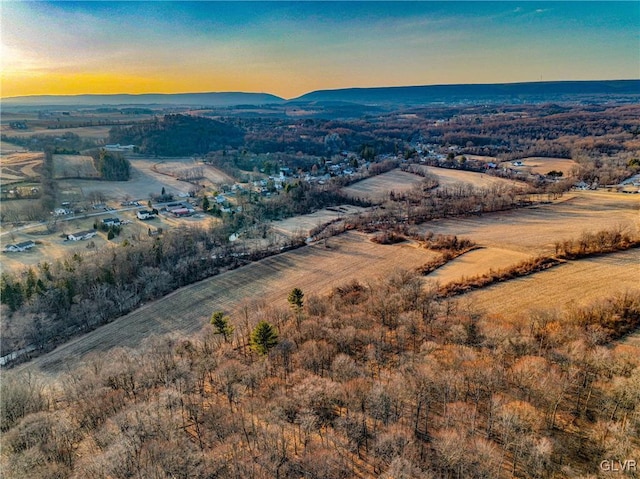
pixel 373 380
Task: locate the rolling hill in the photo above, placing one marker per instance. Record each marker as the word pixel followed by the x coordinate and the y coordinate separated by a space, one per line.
pixel 532 92
pixel 174 99
pixel 503 92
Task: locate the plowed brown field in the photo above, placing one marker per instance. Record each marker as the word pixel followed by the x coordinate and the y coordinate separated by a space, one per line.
pixel 377 188
pixel 19 166
pixel 512 236
pixel 576 283
pixel 535 230
pixel 449 178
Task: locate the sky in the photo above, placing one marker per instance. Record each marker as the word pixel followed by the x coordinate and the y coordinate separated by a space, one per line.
pixel 291 48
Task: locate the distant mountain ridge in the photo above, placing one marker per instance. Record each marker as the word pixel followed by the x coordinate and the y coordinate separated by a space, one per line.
pixel 399 95
pixel 531 91
pixel 177 99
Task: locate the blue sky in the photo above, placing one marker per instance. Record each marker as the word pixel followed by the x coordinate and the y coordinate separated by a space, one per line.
pixel 290 48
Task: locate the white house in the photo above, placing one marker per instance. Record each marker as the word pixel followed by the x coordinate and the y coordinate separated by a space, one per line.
pixel 61 212
pixel 111 221
pixel 145 215
pixel 20 247
pixel 81 235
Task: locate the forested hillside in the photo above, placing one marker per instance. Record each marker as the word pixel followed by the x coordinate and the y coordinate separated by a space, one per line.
pixel 178 135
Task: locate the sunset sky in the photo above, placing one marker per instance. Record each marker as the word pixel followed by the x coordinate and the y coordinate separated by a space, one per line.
pixel 295 47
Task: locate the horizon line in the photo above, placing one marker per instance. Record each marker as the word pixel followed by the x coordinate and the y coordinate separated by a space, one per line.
pixel 72 95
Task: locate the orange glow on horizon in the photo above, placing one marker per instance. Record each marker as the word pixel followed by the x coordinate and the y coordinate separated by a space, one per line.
pixel 61 83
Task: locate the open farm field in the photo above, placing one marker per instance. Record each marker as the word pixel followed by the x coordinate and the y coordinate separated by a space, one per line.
pixel 178 167
pixel 6 147
pixel 449 178
pixel 76 166
pixel 377 188
pixel 535 230
pixel 542 165
pixel 315 269
pixel 507 238
pixel 480 158
pixel 94 132
pixel 20 166
pixel 303 224
pixel 142 183
pixel 576 283
pixel 477 262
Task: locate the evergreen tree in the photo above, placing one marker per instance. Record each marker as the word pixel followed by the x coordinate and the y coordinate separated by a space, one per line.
pixel 30 283
pixel 221 324
pixel 263 338
pixel 296 299
pixel 11 293
pixel 205 203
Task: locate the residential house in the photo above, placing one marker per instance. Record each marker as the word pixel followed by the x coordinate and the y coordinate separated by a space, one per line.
pixel 111 222
pixel 61 212
pixel 20 247
pixel 145 215
pixel 81 235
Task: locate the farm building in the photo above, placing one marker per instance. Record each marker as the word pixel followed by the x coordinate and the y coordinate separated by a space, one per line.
pixel 119 147
pixel 179 212
pixel 145 215
pixel 81 235
pixel 20 247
